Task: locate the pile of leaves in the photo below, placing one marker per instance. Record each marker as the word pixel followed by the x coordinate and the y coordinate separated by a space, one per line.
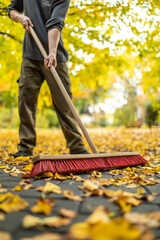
pixel 102 223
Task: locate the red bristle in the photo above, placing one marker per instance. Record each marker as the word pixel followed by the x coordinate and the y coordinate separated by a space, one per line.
pixel 83 165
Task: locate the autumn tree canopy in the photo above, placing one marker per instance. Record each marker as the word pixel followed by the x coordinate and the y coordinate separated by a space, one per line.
pixel 107 40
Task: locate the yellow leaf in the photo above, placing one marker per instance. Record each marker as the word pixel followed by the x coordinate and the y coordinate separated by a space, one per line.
pixel 12 203
pixel 89 185
pixel 30 221
pixel 67 213
pixel 113 230
pixel 50 188
pixel 5 236
pixel 45 236
pixel 17 188
pixel 43 206
pixel 140 191
pixel 100 214
pixel 70 195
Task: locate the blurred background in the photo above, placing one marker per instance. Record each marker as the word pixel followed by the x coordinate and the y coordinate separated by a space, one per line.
pixel 114 64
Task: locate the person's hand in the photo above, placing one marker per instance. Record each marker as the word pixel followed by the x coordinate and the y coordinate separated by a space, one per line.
pixel 26 22
pixel 50 61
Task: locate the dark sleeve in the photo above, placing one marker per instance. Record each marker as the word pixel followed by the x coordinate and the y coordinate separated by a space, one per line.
pixel 15 5
pixel 58 15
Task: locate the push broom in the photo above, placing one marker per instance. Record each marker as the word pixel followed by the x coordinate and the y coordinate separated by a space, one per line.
pixel 79 162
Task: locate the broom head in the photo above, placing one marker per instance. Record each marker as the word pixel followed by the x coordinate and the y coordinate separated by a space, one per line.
pixel 72 163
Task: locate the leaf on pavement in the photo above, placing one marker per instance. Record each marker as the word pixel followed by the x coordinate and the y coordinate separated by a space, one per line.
pixel 70 195
pixel 49 188
pixel 45 236
pixel 100 214
pixel 5 236
pixel 115 229
pixel 55 221
pixel 30 221
pixel 89 185
pixel 12 203
pixel 77 178
pixel 67 213
pixel 43 206
pixel 2 216
pixel 147 219
pixel 17 188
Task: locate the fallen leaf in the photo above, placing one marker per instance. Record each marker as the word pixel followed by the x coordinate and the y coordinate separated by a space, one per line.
pixel 31 221
pixel 5 236
pixel 2 216
pixel 50 188
pixel 100 214
pixel 140 191
pixel 17 188
pixel 96 174
pixel 43 206
pixel 142 219
pixel 67 213
pixel 12 203
pixel 70 195
pixel 28 186
pixel 113 230
pixel 77 178
pixel 61 176
pixel 55 221
pixel 89 185
pixel 45 236
pixel 2 190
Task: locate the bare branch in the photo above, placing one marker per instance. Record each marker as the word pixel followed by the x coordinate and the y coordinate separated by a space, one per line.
pixel 11 36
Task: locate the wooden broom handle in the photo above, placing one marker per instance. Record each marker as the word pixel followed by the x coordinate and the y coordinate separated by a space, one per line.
pixel 65 94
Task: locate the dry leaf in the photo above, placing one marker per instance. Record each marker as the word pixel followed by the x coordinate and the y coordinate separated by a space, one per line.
pixel 45 236
pixel 5 236
pixel 113 230
pixel 50 188
pixel 2 216
pixel 89 185
pixel 60 177
pixel 31 221
pixel 77 178
pixel 148 236
pixel 70 195
pixel 17 188
pixel 43 206
pixel 67 213
pixel 28 186
pixel 96 174
pixel 140 191
pixel 142 219
pixel 12 203
pixel 55 221
pixel 2 190
pixel 100 214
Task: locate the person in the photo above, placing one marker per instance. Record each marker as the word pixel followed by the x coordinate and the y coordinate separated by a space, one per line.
pixel 47 17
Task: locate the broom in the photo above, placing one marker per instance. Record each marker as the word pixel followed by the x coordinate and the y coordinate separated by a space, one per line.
pixel 79 162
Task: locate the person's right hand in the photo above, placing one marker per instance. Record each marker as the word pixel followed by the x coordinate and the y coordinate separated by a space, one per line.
pixel 26 22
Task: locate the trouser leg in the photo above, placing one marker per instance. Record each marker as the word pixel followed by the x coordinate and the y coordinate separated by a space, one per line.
pixel 30 82
pixel 65 116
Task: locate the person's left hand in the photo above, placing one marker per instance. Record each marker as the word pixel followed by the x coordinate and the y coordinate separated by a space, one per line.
pixel 50 61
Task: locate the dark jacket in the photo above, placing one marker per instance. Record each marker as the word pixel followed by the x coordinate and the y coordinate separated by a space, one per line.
pixel 44 14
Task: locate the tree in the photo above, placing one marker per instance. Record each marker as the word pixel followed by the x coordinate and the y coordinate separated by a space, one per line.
pixel 151 115
pixel 103 37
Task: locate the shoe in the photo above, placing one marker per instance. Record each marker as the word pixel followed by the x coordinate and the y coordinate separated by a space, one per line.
pixel 83 152
pixel 21 154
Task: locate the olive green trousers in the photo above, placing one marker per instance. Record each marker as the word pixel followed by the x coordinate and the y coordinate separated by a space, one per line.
pixel 33 73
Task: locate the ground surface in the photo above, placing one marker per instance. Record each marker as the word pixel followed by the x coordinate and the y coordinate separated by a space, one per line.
pixel 107 205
